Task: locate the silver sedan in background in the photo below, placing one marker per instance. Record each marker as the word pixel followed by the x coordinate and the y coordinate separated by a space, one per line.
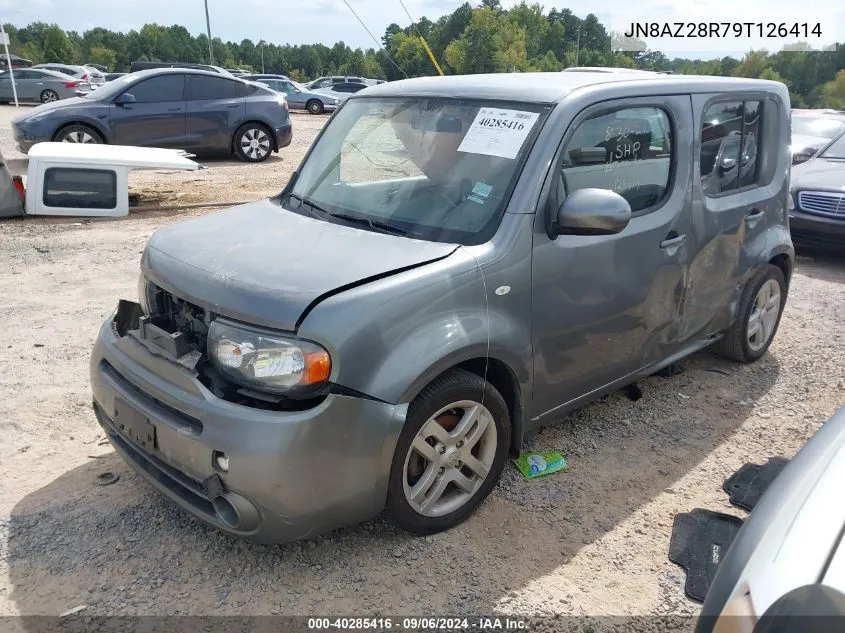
pixel 40 86
pixel 301 98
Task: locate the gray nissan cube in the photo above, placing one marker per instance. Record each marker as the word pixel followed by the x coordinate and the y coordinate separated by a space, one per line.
pixel 456 262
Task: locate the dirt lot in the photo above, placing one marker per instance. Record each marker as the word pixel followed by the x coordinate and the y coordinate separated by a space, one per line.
pixel 592 540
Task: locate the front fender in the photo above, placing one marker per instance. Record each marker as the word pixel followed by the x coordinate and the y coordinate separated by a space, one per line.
pixel 389 337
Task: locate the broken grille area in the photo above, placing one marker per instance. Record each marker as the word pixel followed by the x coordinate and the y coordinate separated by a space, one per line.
pixel 175 315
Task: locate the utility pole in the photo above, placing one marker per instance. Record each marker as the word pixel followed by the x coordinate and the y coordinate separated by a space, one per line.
pixel 578 46
pixel 262 56
pixel 5 39
pixel 208 28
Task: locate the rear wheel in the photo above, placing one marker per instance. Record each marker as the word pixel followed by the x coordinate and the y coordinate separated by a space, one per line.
pixel 253 143
pixel 450 453
pixel 758 317
pixel 315 106
pixel 48 96
pixel 77 134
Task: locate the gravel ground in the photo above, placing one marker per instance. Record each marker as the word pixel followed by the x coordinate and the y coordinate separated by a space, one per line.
pixel 592 540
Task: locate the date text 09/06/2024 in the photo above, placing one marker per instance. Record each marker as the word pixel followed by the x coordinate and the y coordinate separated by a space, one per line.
pixel 722 29
pixel 481 624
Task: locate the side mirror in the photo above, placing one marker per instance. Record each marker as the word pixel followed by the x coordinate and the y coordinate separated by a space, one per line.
pixel 727 163
pixel 125 99
pixel 592 212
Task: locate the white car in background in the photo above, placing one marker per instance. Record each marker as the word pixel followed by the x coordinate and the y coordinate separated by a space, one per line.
pixel 95 77
pixel 787 563
pixel 812 129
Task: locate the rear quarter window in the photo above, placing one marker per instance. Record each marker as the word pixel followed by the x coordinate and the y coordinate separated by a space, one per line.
pixel 66 187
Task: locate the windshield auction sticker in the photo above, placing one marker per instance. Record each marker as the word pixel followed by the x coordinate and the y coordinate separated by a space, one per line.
pixel 497 132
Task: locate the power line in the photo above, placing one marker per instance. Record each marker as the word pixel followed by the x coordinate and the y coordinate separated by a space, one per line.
pixel 413 22
pixel 375 40
pixel 422 39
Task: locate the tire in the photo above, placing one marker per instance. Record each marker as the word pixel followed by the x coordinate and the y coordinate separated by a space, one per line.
pixel 48 96
pixel 440 503
pixel 253 143
pixel 315 106
pixel 78 134
pixel 756 306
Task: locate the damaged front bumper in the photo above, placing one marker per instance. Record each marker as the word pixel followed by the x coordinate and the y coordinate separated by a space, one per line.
pixel 288 474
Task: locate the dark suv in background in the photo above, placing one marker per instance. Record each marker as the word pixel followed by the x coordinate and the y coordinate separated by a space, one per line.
pixel 198 111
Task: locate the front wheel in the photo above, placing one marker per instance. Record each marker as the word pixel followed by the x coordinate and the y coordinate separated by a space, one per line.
pixel 77 134
pixel 315 107
pixel 758 316
pixel 450 453
pixel 252 143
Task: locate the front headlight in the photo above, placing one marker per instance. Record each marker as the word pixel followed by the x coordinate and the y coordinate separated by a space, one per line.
pixel 146 295
pixel 265 360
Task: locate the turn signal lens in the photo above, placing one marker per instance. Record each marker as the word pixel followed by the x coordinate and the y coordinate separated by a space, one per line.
pixel 318 367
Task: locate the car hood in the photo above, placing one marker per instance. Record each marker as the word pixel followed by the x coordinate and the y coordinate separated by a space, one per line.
pixel 819 173
pixel 62 104
pixel 262 264
pixel 803 141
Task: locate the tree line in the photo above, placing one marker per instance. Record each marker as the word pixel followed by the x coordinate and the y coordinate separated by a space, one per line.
pixel 471 39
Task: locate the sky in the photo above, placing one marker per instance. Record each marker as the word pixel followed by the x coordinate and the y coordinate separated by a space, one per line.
pixel 329 21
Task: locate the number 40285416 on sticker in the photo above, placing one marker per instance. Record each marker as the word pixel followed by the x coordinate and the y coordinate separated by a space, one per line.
pixel 498 132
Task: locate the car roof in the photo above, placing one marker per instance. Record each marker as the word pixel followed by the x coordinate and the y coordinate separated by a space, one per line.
pixel 552 87
pixel 45 64
pixel 50 73
pixel 150 72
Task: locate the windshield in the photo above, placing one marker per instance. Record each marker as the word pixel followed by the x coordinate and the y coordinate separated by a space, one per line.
pixel 433 169
pixel 825 127
pixel 111 89
pixel 835 149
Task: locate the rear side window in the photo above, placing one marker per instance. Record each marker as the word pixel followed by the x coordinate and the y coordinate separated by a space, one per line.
pixel 628 151
pixel 159 89
pixel 730 144
pixel 243 89
pixel 205 88
pixel 80 188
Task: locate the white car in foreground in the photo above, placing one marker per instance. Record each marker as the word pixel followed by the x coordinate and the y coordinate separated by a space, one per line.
pixel 788 561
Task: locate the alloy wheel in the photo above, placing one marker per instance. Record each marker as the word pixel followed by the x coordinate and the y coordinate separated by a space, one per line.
pixel 450 458
pixel 764 315
pixel 255 143
pixel 78 136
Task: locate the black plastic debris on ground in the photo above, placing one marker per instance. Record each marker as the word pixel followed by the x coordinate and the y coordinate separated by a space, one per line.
pixel 748 484
pixel 671 370
pixel 700 540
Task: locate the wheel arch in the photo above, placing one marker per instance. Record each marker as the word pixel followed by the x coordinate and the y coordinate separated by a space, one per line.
pixel 497 372
pixel 99 130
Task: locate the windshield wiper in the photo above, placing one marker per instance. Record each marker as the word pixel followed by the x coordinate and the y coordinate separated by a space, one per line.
pixel 384 227
pixel 307 202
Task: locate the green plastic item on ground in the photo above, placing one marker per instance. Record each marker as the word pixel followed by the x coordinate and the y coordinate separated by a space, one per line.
pixel 537 463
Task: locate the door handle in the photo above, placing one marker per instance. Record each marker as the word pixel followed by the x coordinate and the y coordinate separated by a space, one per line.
pixel 233 105
pixel 174 109
pixel 673 242
pixel 753 218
